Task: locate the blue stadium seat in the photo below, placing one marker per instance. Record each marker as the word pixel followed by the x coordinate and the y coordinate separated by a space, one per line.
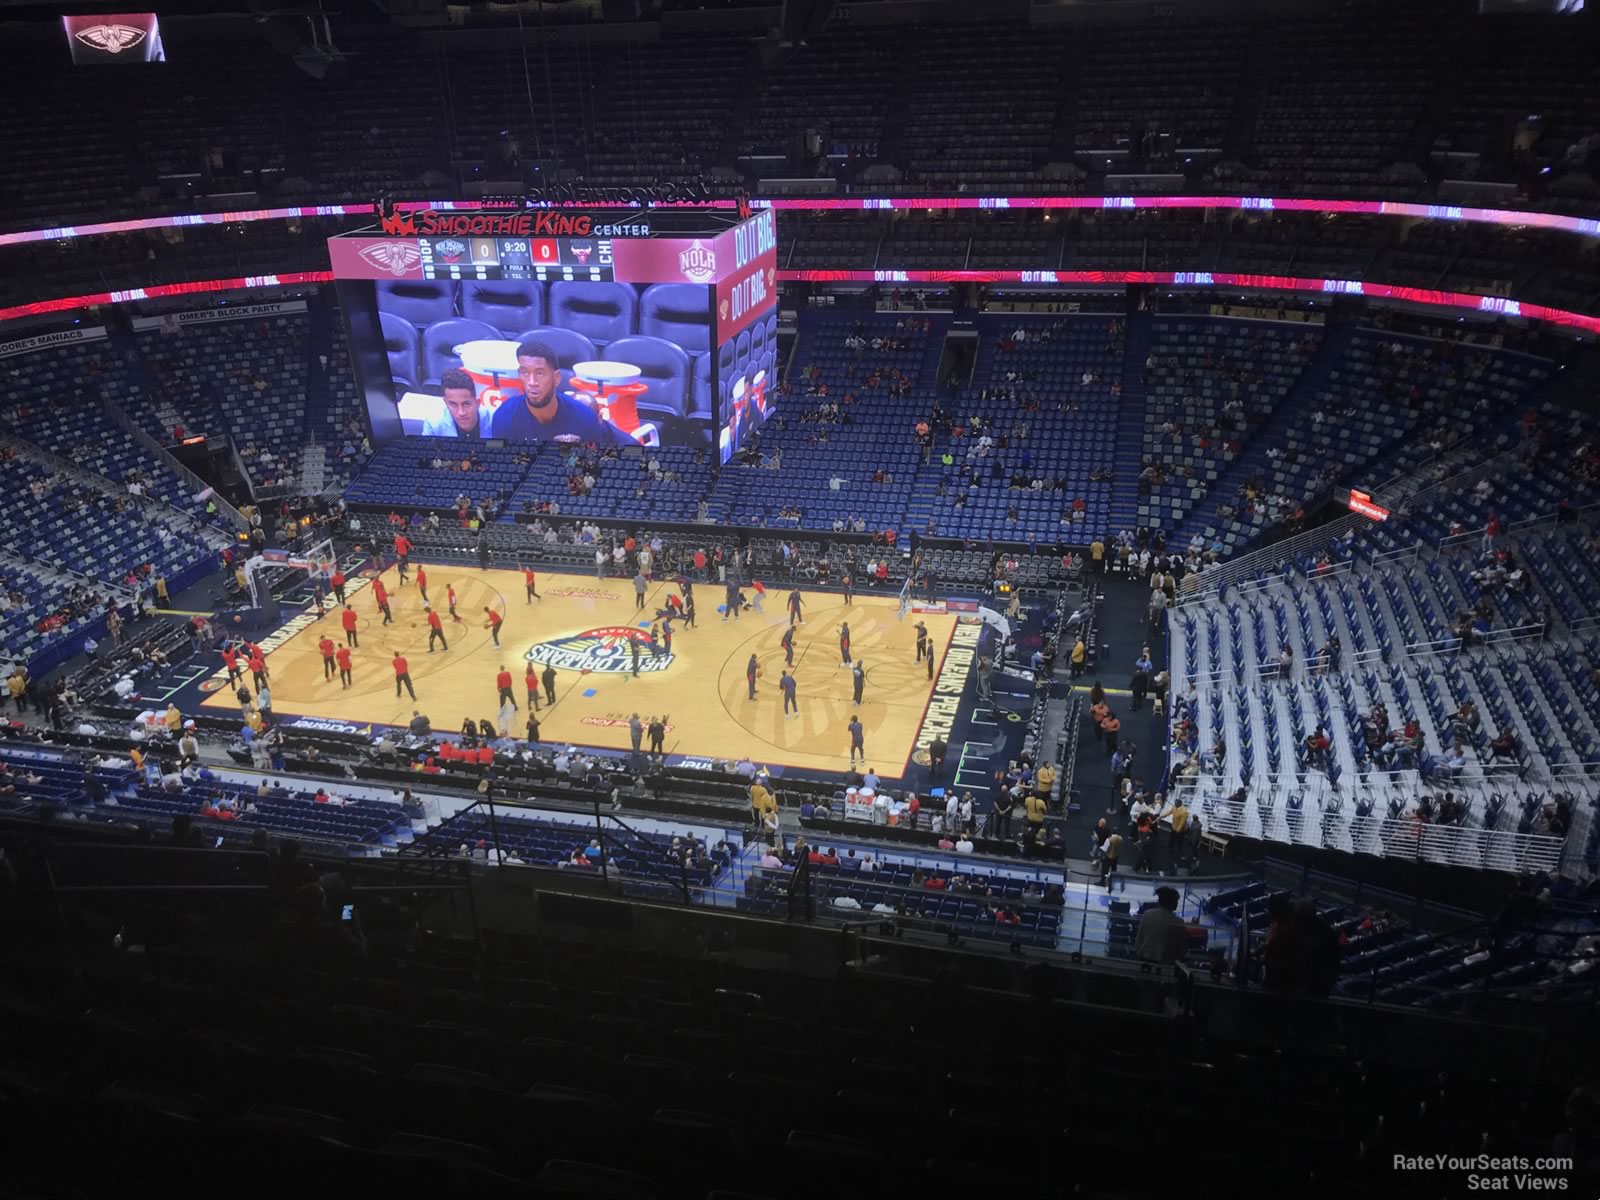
pixel 439 341
pixel 666 370
pixel 508 305
pixel 602 312
pixel 400 342
pixel 679 312
pixel 420 301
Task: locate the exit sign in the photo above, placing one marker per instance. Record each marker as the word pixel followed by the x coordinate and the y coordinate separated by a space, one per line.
pixel 1361 502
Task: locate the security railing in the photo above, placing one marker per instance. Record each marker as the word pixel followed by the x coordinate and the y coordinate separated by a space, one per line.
pixel 1387 837
pixel 1495 637
pixel 1587 512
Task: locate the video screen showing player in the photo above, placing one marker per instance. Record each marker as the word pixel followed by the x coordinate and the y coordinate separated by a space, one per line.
pixel 577 361
pixel 749 384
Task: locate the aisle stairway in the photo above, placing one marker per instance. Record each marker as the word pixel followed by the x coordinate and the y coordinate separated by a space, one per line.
pixel 320 429
pixel 1129 460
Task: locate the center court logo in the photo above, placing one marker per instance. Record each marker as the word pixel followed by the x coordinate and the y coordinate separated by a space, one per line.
pixel 602 650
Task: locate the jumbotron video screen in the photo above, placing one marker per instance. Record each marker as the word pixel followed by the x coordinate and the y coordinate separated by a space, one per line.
pixel 645 326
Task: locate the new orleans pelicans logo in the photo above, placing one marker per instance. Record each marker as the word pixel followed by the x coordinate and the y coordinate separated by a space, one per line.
pixel 604 650
pixel 394 257
pixel 110 39
pixel 698 263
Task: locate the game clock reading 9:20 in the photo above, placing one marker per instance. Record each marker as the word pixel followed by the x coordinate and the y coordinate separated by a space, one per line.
pixel 539 259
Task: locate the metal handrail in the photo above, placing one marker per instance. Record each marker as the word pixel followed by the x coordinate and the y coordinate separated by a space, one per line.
pixel 1526 525
pixel 1495 637
pixel 1493 849
pixel 1404 554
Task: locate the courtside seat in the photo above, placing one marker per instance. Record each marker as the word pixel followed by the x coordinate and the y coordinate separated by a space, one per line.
pixel 666 371
pixel 679 312
pixel 439 342
pixel 700 391
pixel 420 301
pixel 400 342
pixel 508 304
pixel 602 312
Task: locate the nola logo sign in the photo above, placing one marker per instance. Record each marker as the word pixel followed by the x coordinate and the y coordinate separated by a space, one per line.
pixel 698 263
pixel 605 650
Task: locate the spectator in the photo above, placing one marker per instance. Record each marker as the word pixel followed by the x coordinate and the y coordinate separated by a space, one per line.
pixel 309 936
pixel 1301 954
pixel 1160 938
pixel 1108 853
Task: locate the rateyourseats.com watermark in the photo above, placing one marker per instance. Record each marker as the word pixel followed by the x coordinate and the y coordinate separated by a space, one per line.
pixel 1494 1173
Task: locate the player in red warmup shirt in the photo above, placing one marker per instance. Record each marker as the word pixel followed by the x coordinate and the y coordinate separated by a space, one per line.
pixel 435 630
pixel 503 682
pixel 493 625
pixel 532 680
pixel 528 582
pixel 348 618
pixel 336 582
pixel 402 676
pixel 342 656
pixel 230 659
pixel 402 553
pixel 381 595
pixel 422 582
pixel 326 646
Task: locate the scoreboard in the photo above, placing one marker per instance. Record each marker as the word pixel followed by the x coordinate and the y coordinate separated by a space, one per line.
pixel 541 259
pixel 687 298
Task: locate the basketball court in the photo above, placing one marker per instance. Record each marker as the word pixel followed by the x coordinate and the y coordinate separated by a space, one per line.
pixel 582 627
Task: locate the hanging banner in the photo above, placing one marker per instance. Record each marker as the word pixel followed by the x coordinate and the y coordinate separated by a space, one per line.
pixel 43 341
pixel 207 316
